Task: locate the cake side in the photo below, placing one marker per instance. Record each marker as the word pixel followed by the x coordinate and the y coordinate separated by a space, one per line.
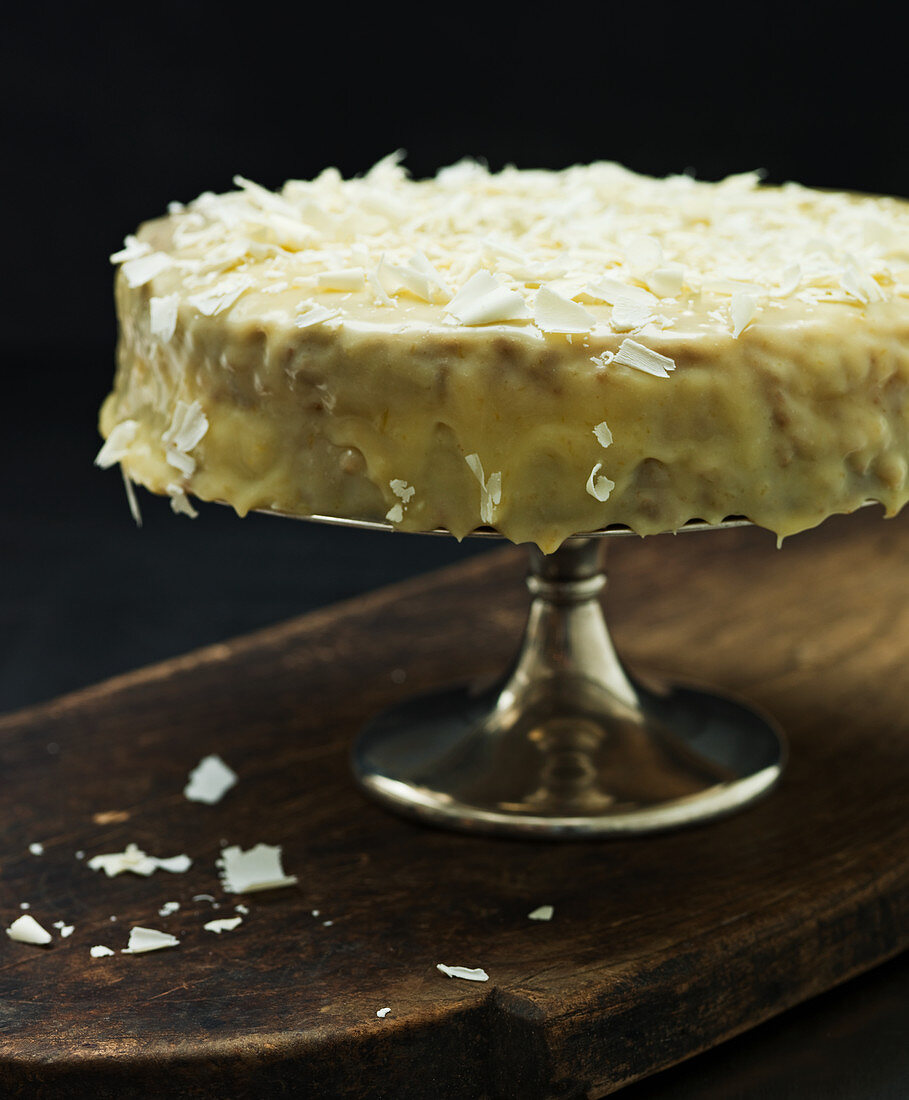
pixel 609 392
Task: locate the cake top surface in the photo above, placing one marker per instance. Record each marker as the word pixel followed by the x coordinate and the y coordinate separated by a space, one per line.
pixel 593 249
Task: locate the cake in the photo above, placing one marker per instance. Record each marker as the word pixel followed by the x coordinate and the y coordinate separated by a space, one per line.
pixel 540 352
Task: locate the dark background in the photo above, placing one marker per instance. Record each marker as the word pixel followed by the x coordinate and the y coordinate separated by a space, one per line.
pixel 109 114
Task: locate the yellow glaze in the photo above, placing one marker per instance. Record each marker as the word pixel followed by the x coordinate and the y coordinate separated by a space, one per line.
pixel 804 413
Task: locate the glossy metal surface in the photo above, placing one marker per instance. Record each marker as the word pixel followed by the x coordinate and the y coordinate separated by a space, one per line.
pixel 490 532
pixel 567 743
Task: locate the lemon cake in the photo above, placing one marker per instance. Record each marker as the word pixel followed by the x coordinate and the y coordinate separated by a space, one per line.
pixel 540 352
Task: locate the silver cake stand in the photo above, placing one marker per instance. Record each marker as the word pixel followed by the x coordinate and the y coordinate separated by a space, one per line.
pixel 567 743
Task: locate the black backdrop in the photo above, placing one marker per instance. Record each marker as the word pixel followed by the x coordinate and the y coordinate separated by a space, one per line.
pixel 109 113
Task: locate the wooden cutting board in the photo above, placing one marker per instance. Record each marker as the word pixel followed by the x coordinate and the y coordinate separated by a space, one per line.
pixel 659 947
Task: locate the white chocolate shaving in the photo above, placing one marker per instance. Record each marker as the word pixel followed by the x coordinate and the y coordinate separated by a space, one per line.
pixel 211 304
pixel 188 425
pixel 315 315
pixel 603 434
pixel 421 264
pixel 26 929
pixel 225 924
pixel 131 496
pixel 259 868
pixel 162 316
pixel 99 951
pixel 179 502
pixel 490 488
pixel 633 354
pixel 629 313
pixel 643 254
pixel 132 249
pixel 611 291
pixel 542 912
pixel 554 313
pixel 142 270
pixel 142 940
pixel 861 286
pixel 666 282
pixel 742 310
pixel 599 487
pixel 209 780
pixel 116 446
pixel 137 862
pixel 402 489
pixel 483 300
pixel 349 279
pixel 469 974
pixel 180 461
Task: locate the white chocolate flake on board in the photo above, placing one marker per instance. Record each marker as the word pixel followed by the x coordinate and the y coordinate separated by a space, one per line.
pixel 470 974
pixel 137 862
pixel 223 924
pixel 542 913
pixel 259 868
pixel 143 940
pixel 209 780
pixel 26 929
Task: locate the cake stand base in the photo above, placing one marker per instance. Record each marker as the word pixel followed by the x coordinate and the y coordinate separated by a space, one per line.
pixel 567 743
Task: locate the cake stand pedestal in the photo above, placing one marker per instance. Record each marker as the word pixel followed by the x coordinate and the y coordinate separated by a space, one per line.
pixel 568 743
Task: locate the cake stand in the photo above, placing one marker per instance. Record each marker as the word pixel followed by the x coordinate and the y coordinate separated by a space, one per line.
pixel 567 743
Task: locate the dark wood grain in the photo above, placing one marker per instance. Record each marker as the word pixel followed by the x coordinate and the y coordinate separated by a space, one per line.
pixel 659 948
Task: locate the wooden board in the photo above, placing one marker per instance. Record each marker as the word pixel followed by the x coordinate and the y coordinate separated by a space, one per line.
pixel 659 948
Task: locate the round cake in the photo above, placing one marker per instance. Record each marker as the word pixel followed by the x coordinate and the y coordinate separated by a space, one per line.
pixel 540 352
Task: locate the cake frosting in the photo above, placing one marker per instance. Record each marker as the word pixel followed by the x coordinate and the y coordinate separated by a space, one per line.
pixel 541 352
